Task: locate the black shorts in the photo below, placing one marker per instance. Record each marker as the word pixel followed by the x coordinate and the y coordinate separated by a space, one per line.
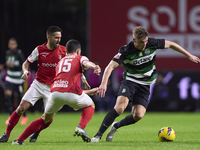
pixel 136 93
pixel 14 87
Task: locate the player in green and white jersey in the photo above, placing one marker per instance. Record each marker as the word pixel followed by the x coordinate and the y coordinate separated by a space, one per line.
pixel 13 80
pixel 138 58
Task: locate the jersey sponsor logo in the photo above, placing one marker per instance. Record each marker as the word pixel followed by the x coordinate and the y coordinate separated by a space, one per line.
pixel 117 56
pixel 44 54
pixel 60 83
pixel 49 65
pixel 142 60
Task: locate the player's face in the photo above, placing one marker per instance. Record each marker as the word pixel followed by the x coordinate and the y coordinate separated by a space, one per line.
pixel 55 40
pixel 12 44
pixel 140 43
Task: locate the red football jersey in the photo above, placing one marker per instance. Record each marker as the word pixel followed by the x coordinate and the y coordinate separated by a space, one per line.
pixel 47 60
pixel 68 74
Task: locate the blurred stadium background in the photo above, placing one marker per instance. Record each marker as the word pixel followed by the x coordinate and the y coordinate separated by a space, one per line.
pixel 102 27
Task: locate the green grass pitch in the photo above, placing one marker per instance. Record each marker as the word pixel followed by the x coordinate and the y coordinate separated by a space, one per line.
pixel 140 136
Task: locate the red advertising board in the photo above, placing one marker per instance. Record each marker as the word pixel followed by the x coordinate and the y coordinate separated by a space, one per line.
pixel 112 21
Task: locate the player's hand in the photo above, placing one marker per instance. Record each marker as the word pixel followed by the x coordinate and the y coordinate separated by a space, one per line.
pixel 97 70
pixel 26 74
pixel 87 86
pixel 102 90
pixel 93 91
pixel 10 64
pixel 194 59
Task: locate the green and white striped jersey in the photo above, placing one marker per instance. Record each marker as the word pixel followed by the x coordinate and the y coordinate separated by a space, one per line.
pixel 140 64
pixel 14 74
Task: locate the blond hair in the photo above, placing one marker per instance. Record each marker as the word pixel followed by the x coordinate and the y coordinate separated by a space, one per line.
pixel 140 32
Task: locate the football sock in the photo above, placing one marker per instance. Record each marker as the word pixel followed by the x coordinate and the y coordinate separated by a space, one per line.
pixel 45 126
pixel 124 122
pixel 108 120
pixel 30 129
pixel 86 116
pixel 14 119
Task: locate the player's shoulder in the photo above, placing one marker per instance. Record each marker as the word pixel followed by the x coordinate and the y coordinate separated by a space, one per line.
pixel 62 47
pixel 127 48
pixel 152 42
pixel 19 51
pixel 42 47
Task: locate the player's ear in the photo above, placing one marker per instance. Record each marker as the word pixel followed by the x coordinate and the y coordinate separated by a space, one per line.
pixel 78 51
pixel 48 37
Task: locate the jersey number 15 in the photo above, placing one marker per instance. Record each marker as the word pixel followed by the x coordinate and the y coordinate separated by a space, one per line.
pixel 66 66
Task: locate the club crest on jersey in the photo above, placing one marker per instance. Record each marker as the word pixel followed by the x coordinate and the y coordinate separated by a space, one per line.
pixel 117 56
pixel 147 51
pixel 59 57
pixel 44 54
pixel 124 90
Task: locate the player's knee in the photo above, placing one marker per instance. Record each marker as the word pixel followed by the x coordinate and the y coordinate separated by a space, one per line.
pixel 23 106
pixel 138 116
pixel 47 117
pixel 119 110
pixel 93 105
pixel 20 110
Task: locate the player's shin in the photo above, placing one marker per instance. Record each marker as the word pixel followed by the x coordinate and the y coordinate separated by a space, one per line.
pixel 86 116
pixel 124 122
pixel 14 119
pixel 31 128
pixel 108 120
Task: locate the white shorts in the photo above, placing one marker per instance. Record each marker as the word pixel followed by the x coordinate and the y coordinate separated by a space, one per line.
pixel 58 99
pixel 36 91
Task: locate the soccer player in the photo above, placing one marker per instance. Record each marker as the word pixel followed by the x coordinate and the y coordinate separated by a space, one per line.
pixel 66 90
pixel 14 83
pixel 47 57
pixel 138 58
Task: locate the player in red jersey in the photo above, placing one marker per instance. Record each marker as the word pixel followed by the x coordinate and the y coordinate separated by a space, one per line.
pixel 47 57
pixel 66 90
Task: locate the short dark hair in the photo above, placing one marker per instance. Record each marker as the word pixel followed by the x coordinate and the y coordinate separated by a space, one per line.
pixel 72 45
pixel 140 32
pixel 53 29
pixel 12 39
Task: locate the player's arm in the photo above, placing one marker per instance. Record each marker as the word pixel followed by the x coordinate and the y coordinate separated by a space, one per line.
pixel 108 70
pixel 25 68
pixel 91 92
pixel 90 65
pixel 178 48
pixel 87 86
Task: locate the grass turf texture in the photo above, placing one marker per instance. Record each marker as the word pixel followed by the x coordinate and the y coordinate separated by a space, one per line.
pixel 140 136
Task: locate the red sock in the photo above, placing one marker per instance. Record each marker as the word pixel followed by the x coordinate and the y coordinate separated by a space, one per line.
pixel 30 129
pixel 86 116
pixel 14 119
pixel 45 126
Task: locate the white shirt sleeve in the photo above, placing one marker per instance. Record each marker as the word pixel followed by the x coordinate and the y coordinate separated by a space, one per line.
pixel 83 58
pixel 34 55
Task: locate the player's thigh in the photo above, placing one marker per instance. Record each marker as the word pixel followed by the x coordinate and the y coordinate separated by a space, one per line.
pixel 37 91
pixel 121 104
pixel 79 101
pixel 55 102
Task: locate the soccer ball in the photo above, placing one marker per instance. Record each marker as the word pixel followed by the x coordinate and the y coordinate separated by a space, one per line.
pixel 166 134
